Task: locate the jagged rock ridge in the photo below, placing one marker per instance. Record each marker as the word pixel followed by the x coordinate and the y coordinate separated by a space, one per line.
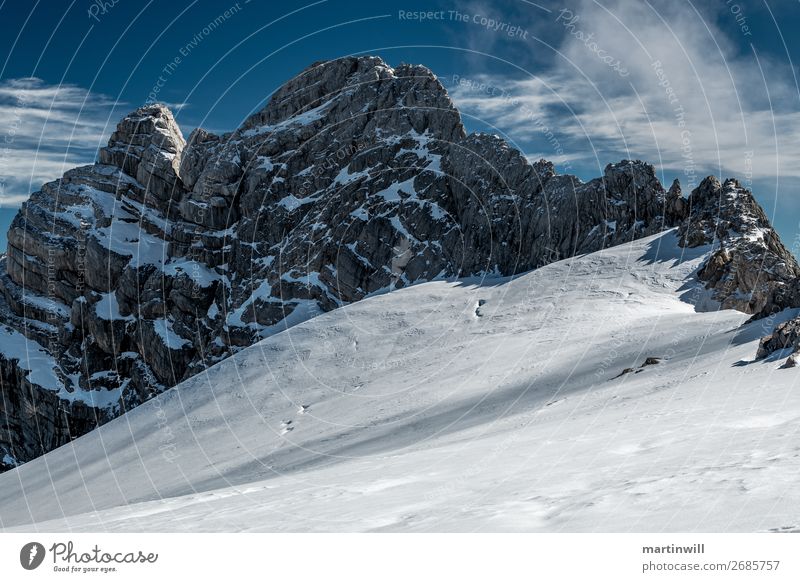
pixel 750 269
pixel 166 256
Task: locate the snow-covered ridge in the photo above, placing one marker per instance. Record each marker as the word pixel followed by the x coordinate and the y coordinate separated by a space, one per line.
pixel 469 405
pixel 356 179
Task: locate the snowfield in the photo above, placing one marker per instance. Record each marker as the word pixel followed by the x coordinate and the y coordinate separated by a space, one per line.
pixel 459 406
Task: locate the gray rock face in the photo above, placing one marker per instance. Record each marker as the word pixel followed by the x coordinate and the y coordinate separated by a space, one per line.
pixel 147 145
pixel 166 256
pixel 750 270
pixel 786 335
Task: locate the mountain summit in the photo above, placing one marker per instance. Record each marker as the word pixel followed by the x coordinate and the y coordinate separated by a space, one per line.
pixel 167 256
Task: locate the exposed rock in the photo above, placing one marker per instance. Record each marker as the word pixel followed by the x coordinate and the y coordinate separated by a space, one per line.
pixel 785 335
pixel 166 257
pixel 676 206
pixel 624 371
pixel 147 145
pixel 749 269
pixel 791 361
pixel 649 361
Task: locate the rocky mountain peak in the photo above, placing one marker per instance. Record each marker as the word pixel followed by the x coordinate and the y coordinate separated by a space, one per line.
pixel 147 145
pixel 350 87
pixel 166 256
pixel 750 269
pixel 676 208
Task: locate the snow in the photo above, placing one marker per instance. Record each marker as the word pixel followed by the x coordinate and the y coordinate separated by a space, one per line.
pixel 310 279
pixel 345 176
pixel 265 163
pixel 756 234
pixel 400 227
pixel 353 247
pixel 291 202
pixel 149 215
pixel 171 339
pixel 45 303
pixel 9 460
pixel 296 120
pixel 198 272
pixel 213 311
pixel 31 357
pixel 436 211
pixel 41 368
pixel 263 292
pixel 392 193
pixel 108 308
pixel 360 213
pixel 458 406
pixel 306 309
pixel 103 201
pixel 99 397
pixel 129 240
pixel 422 150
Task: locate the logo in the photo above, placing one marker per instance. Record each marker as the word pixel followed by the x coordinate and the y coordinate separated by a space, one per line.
pixel 31 555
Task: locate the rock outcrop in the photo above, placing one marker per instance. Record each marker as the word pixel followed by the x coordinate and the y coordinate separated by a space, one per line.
pixel 125 277
pixel 749 269
pixel 786 335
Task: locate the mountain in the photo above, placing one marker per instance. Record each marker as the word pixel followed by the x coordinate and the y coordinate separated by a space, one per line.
pixel 474 405
pixel 128 276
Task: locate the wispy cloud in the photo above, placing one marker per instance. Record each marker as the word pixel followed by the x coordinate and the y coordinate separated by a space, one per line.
pixel 47 129
pixel 176 106
pixel 694 99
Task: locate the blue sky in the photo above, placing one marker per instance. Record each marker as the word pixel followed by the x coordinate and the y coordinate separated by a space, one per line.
pixel 696 88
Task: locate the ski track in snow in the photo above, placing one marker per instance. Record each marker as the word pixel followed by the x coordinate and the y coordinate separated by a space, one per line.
pixel 458 406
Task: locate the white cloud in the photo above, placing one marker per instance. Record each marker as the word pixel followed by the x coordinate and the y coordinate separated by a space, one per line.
pixel 710 107
pixel 47 129
pixel 176 106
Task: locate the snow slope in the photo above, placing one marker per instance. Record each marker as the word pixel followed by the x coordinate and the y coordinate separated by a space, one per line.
pixel 459 406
